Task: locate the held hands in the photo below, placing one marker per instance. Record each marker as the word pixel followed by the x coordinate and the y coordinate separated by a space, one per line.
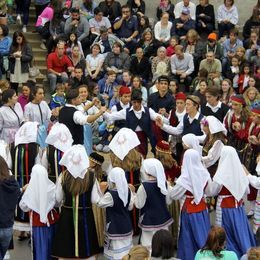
pixel 24 187
pixel 159 121
pixel 131 187
pixel 103 109
pixel 253 139
pixel 103 186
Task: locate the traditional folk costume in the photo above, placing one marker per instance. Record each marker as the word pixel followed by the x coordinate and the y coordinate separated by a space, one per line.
pixel 230 184
pixel 237 139
pixel 192 142
pixel 194 221
pixel 25 153
pixel 172 172
pixel 255 182
pixel 175 118
pixel 251 154
pixel 11 119
pixel 76 235
pixel 41 114
pixel 39 200
pixel 59 140
pixel 212 150
pixel 117 201
pixel 96 161
pixel 5 153
pixel 150 199
pixel 124 154
pixel 139 121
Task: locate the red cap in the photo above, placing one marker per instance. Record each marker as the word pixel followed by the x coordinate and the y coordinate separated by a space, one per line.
pixel 180 95
pixel 124 90
pixel 163 146
pixel 238 99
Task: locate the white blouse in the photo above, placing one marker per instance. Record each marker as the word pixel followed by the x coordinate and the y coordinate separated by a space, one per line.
pixel 40 113
pixel 10 121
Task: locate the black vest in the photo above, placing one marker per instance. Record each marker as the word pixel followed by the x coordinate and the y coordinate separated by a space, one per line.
pixel 154 213
pixel 220 114
pixel 118 217
pixel 66 118
pixel 192 128
pixel 144 122
pixel 119 123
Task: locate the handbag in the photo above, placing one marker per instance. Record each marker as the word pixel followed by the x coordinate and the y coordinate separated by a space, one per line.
pixel 33 70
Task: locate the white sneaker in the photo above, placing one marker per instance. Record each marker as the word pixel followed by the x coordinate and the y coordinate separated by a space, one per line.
pixel 7 255
pixel 42 46
pixel 24 29
pixel 99 147
pixel 18 19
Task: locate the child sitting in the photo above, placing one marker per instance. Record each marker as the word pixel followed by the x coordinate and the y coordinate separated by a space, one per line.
pixel 171 48
pixel 58 98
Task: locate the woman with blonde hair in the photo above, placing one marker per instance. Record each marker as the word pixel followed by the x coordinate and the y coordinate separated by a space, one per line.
pixel 251 95
pixel 137 252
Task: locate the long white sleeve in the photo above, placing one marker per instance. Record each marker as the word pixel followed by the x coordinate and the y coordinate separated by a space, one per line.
pixel 140 197
pixel 157 31
pixel 59 194
pixel 254 181
pixel 213 154
pixel 173 130
pixel 177 192
pixel 212 188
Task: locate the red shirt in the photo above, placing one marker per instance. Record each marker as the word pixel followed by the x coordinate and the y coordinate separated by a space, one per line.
pixel 58 64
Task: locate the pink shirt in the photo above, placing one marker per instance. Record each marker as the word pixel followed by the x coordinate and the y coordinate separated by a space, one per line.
pixel 45 16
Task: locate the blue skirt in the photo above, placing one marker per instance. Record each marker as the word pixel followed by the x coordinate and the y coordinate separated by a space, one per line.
pixel 42 135
pixel 88 142
pixel 194 229
pixel 42 242
pixel 239 233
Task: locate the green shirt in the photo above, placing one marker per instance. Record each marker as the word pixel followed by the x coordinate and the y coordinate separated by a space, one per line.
pixel 208 255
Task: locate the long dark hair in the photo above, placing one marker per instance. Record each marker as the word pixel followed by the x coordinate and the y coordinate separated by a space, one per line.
pixel 33 92
pixel 4 171
pixel 215 241
pixel 8 93
pixel 15 36
pixel 162 244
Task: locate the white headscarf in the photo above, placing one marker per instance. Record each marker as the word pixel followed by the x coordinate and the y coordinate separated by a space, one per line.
pixel 215 126
pixel 124 141
pixel 230 173
pixel 194 176
pixel 60 137
pixel 155 168
pixel 192 142
pixel 27 133
pixel 5 153
pixel 117 176
pixel 258 168
pixel 75 159
pixel 40 193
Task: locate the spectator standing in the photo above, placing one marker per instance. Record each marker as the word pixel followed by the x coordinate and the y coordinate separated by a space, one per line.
pixel 20 57
pixel 58 64
pixel 227 17
pixel 22 8
pixel 187 4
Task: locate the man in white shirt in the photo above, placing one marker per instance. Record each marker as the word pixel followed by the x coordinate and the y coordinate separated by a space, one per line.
pixel 188 4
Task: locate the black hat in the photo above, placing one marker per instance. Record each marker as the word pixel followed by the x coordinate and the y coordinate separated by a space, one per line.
pixel 96 158
pixel 72 93
pixel 136 95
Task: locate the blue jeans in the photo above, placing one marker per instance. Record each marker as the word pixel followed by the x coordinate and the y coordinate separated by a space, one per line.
pixel 5 238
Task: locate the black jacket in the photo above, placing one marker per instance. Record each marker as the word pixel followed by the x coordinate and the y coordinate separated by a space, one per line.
pixel 26 58
pixel 9 194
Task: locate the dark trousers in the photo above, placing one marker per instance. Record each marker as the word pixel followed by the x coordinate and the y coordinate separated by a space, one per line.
pixel 22 7
pixel 224 27
pixel 184 84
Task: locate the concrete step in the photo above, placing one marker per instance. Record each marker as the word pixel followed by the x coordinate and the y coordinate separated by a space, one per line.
pixel 17 27
pixel 38 52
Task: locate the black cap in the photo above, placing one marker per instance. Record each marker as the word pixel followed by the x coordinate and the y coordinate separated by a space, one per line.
pixel 96 158
pixel 136 95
